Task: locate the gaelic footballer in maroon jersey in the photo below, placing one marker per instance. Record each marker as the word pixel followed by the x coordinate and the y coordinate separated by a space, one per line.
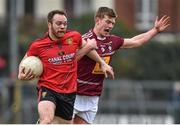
pixel 90 78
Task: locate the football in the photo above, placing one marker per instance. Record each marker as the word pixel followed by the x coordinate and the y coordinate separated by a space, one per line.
pixel 33 63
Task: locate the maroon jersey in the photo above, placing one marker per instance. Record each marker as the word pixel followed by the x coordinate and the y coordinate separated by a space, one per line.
pixel 90 77
pixel 59 61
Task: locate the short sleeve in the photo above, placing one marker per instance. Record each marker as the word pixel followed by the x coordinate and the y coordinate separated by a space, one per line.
pixel 118 42
pixel 78 38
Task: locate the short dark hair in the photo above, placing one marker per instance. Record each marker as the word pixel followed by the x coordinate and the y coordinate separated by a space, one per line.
pixel 53 12
pixel 102 11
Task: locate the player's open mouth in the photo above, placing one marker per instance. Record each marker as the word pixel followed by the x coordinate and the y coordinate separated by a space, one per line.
pixel 60 32
pixel 107 30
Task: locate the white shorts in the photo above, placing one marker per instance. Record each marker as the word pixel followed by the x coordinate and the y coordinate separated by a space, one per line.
pixel 86 107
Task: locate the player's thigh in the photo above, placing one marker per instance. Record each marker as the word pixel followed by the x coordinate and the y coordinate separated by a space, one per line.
pixel 79 120
pixel 46 109
pixel 84 117
pixel 46 105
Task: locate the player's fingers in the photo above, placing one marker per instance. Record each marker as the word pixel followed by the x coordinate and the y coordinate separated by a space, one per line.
pixel 109 73
pixel 21 70
pixel 105 73
pixel 112 74
pixel 162 18
pixel 29 74
pixel 166 26
pixel 156 19
pixel 166 21
pixel 31 77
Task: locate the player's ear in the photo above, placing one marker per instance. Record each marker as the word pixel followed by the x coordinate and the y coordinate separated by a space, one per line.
pixel 49 24
pixel 97 19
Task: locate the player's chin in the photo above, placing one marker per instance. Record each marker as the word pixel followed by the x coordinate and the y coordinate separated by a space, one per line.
pixel 60 35
pixel 106 34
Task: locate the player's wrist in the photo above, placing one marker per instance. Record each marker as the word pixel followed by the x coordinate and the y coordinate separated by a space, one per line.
pixel 102 62
pixel 156 29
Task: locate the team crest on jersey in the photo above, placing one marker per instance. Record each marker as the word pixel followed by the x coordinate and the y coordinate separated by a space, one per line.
pixel 61 53
pixel 69 40
pixel 102 49
pixel 44 94
pixel 110 48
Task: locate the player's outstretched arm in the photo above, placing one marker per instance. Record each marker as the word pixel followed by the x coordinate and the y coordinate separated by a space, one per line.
pixel 159 26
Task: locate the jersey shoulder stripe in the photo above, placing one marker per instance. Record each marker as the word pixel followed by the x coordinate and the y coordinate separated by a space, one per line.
pixel 87 35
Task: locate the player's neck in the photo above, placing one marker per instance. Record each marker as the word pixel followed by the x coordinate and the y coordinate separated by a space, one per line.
pixel 52 37
pixel 96 31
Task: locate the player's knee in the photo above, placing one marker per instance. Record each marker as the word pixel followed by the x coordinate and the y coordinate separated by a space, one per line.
pixel 79 120
pixel 46 120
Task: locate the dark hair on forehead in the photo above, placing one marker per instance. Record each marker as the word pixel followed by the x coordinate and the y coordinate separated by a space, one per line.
pixel 52 13
pixel 102 11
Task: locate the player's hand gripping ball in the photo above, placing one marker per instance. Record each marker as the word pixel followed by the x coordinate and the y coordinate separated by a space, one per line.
pixel 33 63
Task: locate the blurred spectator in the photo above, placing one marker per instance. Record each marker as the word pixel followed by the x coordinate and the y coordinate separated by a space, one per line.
pixel 3 65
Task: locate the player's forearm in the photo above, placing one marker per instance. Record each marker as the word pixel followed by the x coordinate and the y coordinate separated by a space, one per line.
pixel 83 51
pixel 144 37
pixel 94 56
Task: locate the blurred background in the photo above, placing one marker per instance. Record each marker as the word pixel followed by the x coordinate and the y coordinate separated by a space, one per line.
pixel 147 84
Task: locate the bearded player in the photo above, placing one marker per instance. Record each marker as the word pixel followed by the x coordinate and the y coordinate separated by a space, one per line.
pixel 59 51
